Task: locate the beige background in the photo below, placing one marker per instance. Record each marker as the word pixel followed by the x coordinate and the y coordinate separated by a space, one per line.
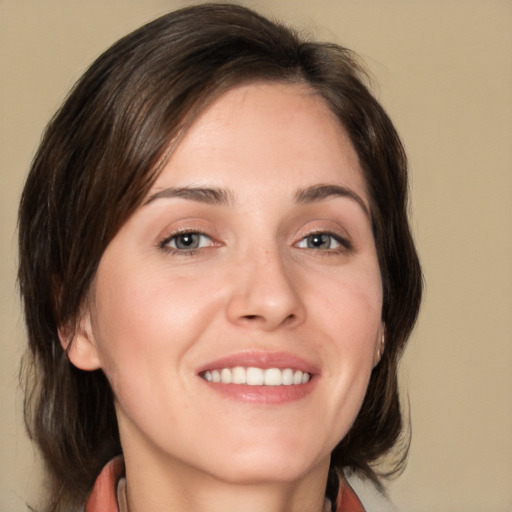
pixel 445 76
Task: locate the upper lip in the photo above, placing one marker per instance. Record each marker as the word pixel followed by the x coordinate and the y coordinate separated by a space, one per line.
pixel 262 359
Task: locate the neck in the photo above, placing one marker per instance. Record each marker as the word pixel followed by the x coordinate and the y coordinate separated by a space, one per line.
pixel 175 487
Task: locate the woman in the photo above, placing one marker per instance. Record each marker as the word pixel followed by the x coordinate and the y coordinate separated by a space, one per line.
pixel 217 272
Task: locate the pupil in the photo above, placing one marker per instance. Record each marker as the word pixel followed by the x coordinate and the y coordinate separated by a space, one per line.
pixel 317 241
pixel 187 240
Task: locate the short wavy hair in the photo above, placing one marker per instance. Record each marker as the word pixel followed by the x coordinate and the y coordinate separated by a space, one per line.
pixel 97 160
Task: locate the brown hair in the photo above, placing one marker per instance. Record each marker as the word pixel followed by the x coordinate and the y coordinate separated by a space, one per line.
pixel 100 155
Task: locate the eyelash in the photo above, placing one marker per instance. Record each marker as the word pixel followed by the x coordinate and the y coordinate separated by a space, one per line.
pixel 344 244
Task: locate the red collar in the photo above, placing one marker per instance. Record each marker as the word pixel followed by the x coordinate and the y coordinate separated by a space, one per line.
pixel 103 497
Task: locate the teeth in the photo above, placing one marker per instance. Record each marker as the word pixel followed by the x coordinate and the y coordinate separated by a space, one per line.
pixel 238 375
pixel 297 377
pixel 273 377
pixel 253 376
pixel 225 376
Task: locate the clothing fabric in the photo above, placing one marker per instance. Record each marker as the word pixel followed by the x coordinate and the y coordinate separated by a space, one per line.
pixel 106 496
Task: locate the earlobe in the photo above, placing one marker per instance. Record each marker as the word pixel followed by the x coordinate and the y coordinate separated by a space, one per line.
pixel 80 345
pixel 379 348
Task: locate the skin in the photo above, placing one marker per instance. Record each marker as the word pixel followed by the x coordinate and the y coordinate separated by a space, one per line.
pixel 256 283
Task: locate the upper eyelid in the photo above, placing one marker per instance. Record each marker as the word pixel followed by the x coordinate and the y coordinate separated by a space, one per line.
pixel 338 234
pixel 186 231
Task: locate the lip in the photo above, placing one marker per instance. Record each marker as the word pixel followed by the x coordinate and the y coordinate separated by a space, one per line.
pixel 262 360
pixel 262 394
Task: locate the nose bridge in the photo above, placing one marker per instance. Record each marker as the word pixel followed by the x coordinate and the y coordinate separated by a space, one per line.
pixel 264 293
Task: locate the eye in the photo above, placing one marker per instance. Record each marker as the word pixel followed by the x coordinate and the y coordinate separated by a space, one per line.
pixel 186 242
pixel 322 241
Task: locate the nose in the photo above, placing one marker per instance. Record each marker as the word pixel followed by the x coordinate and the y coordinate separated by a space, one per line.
pixel 264 293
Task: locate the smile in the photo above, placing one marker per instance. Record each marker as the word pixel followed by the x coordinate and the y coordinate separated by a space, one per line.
pixel 253 376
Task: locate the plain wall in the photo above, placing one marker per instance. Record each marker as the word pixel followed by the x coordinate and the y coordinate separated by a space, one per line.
pixel 445 76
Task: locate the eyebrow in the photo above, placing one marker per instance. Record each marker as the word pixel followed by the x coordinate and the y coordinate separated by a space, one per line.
pixel 223 197
pixel 325 191
pixel 208 195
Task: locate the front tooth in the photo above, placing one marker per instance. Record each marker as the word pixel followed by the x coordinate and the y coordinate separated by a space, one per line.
pixel 238 375
pixel 254 376
pixel 225 376
pixel 215 376
pixel 272 377
pixel 287 376
pixel 297 377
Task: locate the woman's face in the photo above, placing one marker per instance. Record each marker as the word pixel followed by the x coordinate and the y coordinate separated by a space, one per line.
pixel 251 260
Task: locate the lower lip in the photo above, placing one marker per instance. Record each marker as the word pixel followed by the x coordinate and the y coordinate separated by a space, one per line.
pixel 263 394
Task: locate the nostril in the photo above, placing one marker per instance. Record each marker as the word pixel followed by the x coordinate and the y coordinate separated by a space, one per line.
pixel 290 318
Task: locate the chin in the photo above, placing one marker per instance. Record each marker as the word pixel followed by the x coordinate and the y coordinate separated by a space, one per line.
pixel 260 473
pixel 268 465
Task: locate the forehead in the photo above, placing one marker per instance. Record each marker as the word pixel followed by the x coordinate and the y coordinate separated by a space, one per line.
pixel 261 133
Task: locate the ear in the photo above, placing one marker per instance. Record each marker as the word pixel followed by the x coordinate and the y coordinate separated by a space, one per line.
pixel 379 346
pixel 80 345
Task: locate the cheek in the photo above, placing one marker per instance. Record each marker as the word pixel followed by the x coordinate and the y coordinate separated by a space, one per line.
pixel 350 306
pixel 350 311
pixel 144 317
